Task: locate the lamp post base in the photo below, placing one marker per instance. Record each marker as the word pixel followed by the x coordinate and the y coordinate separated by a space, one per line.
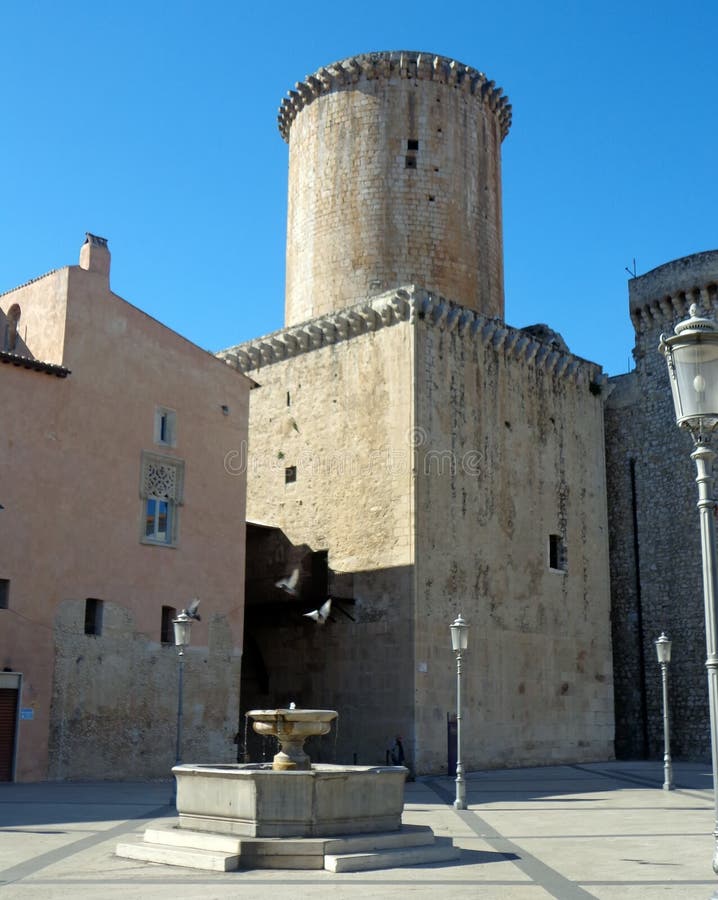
pixel 460 802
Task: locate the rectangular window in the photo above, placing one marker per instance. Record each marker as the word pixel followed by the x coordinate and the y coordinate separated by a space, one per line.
pixel 165 426
pixel 167 635
pixel 556 553
pixel 4 593
pixel 410 162
pixel 93 616
pixel 290 474
pixel 158 524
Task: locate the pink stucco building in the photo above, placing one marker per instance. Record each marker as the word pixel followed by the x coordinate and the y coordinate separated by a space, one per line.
pixel 118 509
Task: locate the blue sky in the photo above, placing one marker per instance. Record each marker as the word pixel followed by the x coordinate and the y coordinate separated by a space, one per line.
pixel 154 124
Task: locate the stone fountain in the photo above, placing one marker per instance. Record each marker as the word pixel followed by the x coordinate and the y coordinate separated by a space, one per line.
pixel 291 813
pixel 292 727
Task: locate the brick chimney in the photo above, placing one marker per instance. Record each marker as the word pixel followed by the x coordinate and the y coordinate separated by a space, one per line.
pixel 95 255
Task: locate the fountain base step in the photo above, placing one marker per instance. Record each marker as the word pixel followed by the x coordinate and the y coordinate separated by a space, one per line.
pixel 442 850
pixel 409 846
pixel 189 857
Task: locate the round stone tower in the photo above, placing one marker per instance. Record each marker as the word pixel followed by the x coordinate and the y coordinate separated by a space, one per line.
pixel 394 179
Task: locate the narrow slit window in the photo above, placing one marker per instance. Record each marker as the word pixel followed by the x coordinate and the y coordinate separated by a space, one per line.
pixel 93 616
pixel 556 553
pixel 165 426
pixel 4 593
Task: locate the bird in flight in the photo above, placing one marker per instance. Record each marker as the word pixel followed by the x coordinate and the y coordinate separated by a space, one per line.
pixel 289 584
pixel 192 609
pixel 321 615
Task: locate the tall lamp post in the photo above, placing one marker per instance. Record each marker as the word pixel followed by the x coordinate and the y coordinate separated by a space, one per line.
pixel 459 643
pixel 182 628
pixel 663 652
pixel 692 357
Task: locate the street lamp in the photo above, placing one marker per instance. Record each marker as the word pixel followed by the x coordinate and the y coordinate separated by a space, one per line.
pixel 459 643
pixel 692 357
pixel 182 628
pixel 663 652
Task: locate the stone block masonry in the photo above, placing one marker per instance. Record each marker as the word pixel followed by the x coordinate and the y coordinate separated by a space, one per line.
pixel 394 178
pixel 656 573
pixel 436 451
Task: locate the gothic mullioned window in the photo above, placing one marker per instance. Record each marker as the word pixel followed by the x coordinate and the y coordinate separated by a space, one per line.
pixel 161 488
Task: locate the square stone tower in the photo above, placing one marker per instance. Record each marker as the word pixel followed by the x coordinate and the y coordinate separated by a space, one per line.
pixel 444 461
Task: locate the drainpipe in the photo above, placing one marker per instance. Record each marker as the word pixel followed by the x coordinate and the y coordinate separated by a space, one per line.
pixel 639 612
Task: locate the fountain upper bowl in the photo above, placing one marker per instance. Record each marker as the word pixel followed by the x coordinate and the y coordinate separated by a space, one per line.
pixel 293 715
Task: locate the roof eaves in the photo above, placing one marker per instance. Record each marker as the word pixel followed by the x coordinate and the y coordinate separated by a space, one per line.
pixel 37 365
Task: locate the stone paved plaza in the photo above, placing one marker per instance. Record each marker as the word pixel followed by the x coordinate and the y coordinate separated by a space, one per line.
pixel 603 830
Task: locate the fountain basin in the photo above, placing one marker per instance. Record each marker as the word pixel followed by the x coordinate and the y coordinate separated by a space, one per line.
pixel 292 727
pixel 252 801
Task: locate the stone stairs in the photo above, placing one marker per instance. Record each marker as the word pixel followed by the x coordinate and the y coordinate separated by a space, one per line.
pixel 411 845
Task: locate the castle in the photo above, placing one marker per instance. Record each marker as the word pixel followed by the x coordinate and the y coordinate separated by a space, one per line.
pixel 411 456
pixel 444 461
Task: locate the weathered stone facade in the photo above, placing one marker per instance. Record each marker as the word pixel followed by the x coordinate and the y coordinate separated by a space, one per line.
pixel 435 451
pixel 656 573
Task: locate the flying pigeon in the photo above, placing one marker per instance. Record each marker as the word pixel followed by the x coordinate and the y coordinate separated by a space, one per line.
pixel 321 615
pixel 289 584
pixel 192 609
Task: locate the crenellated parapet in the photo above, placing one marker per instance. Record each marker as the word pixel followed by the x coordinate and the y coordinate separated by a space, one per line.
pixel 406 64
pixel 662 296
pixel 413 305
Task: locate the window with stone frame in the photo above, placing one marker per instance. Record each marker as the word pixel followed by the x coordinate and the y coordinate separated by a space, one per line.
pixel 161 490
pixel 165 426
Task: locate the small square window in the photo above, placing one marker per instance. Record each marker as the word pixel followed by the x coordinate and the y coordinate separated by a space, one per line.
pixel 165 426
pixel 4 593
pixel 412 144
pixel 290 474
pixel 93 616
pixel 410 162
pixel 556 553
pixel 167 634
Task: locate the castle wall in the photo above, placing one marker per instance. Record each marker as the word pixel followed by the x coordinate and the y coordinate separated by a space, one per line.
pixel 510 452
pixel 394 178
pixel 434 458
pixel 656 572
